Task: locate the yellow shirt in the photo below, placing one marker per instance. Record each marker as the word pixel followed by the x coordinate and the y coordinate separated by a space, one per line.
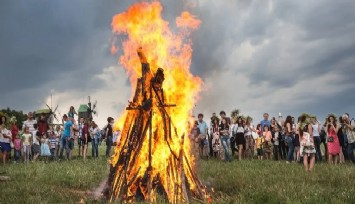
pixel 259 142
pixel 26 138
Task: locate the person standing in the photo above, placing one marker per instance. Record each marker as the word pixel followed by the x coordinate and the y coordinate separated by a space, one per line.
pixel 85 138
pixel 52 145
pixel 5 139
pixel 332 139
pixel 308 150
pixel 238 130
pixel 36 147
pixel 316 127
pixel 289 138
pixel 43 126
pixel 350 132
pixel 109 136
pixel 14 130
pixel 223 115
pixel 202 125
pixel 224 135
pixel 214 134
pixel 68 129
pixel 26 144
pixel 80 136
pixel 30 122
pixel 265 122
pixel 95 133
pixel 249 140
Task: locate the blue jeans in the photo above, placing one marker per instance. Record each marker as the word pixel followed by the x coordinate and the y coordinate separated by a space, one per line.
pixel 53 154
pixel 351 148
pixel 291 147
pixel 95 147
pixel 317 142
pixel 65 145
pixel 225 143
pixel 108 146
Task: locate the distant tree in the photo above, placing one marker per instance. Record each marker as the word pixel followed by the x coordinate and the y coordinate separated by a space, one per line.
pixel 20 116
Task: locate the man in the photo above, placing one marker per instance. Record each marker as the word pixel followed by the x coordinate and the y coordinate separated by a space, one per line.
pixel 43 126
pixel 202 125
pixel 109 136
pixel 80 141
pixel 265 122
pixel 29 122
pixel 350 132
pixel 223 115
pixel 68 129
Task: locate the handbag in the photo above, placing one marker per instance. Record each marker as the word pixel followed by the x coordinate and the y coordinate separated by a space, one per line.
pixel 330 139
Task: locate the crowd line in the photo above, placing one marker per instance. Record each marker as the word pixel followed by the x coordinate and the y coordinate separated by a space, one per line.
pixel 37 139
pixel 278 139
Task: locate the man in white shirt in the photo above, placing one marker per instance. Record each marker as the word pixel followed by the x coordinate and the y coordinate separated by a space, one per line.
pixel 29 122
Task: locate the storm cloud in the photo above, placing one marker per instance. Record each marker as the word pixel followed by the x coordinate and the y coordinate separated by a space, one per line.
pixel 258 56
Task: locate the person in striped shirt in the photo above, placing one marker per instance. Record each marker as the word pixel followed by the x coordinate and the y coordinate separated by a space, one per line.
pixel 53 143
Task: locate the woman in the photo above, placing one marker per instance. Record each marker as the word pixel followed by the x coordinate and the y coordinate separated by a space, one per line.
pixel 96 134
pixel 308 150
pixel 332 139
pixel 268 143
pixel 72 112
pixel 224 134
pixel 296 141
pixel 316 137
pixel 289 138
pixel 277 138
pixel 233 136
pixel 249 140
pixel 109 136
pixel 214 140
pixel 238 130
pixel 341 136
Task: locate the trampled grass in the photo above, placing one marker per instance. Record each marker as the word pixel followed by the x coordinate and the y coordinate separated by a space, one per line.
pixel 235 182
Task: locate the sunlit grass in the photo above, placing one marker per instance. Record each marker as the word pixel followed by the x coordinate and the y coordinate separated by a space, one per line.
pixel 233 182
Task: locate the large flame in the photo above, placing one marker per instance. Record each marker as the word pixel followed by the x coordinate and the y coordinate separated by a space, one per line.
pixel 143 27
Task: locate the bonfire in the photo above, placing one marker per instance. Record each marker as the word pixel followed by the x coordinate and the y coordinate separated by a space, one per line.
pixel 153 156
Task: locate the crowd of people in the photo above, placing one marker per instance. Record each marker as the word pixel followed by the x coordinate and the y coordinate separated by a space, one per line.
pixel 37 139
pixel 278 139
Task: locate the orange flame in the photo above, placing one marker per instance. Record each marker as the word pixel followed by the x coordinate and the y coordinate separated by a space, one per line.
pixel 145 28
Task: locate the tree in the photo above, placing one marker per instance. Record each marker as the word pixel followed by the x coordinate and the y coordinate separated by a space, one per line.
pixel 20 116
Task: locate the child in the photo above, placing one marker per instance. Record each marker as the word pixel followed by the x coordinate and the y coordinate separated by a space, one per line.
pixel 267 144
pixel 52 145
pixel 17 147
pixel 26 144
pixel 45 152
pixel 259 144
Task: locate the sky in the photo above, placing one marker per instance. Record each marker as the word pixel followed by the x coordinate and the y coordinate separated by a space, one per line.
pixel 258 56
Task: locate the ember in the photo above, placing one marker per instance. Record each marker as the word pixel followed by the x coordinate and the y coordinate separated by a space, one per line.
pixel 153 155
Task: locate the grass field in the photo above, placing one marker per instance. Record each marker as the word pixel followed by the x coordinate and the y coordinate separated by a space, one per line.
pixel 234 182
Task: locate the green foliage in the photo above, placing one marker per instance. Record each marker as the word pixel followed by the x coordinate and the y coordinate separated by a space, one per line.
pixel 20 116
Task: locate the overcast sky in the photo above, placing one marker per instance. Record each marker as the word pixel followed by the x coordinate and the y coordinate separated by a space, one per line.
pixel 257 56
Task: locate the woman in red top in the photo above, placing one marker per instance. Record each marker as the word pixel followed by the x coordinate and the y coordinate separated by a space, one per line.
pixel 332 139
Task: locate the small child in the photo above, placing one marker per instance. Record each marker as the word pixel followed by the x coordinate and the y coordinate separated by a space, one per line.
pixel 259 144
pixel 26 144
pixel 45 152
pixel 17 147
pixel 52 145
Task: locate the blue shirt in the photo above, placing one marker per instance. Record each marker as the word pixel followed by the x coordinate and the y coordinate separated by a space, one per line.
pixel 67 125
pixel 203 127
pixel 264 123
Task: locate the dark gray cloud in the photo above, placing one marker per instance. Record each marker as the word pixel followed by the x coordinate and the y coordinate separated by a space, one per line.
pixel 274 56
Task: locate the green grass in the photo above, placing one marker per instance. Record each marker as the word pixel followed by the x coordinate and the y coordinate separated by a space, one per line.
pixel 235 182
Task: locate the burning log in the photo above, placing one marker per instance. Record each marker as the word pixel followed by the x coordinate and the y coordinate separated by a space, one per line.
pixel 139 168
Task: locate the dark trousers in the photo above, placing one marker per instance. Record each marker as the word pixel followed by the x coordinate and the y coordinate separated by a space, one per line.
pixel 276 152
pixel 317 142
pixel 283 150
pixel 233 143
pixel 17 154
pixel 108 146
pixel 351 148
pixel 53 154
